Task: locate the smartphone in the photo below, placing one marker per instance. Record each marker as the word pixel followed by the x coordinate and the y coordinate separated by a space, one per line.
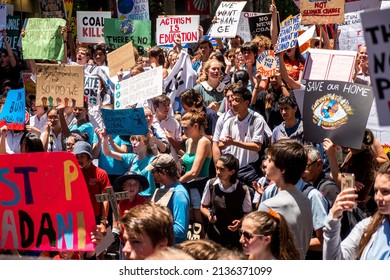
pixel 347 181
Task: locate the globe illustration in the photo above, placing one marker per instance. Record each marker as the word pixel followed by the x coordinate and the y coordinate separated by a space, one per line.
pixel 329 108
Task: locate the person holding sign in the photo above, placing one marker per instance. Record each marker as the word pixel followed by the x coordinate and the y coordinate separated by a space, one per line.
pixel 8 63
pixel 369 238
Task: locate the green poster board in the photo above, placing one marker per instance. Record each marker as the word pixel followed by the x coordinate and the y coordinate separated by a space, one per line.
pixel 43 39
pixel 120 32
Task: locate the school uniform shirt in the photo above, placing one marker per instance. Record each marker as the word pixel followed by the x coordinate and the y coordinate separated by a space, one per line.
pixel 209 93
pixel 97 181
pixel 56 144
pixel 173 126
pixel 39 123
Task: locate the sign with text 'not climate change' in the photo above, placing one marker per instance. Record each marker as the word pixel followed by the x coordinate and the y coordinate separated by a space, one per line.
pixel 170 27
pixel 228 17
pixel 43 39
pixel 44 203
pixel 322 12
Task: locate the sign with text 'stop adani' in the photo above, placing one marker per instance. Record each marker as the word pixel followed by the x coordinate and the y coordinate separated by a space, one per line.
pixel 44 203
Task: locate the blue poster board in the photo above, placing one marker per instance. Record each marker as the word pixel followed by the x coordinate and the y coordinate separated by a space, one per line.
pixel 13 113
pixel 129 121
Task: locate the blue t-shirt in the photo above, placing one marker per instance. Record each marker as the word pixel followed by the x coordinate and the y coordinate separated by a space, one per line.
pixel 85 128
pixel 109 164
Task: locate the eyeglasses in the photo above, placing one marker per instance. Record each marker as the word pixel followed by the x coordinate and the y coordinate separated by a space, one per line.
pixel 248 236
pixel 309 165
pixel 69 145
pixel 52 117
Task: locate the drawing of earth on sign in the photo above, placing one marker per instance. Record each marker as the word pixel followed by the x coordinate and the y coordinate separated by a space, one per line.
pixel 331 111
pixel 126 27
pixel 125 6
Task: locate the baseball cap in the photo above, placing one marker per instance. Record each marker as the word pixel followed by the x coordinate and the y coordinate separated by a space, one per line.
pixel 82 147
pixel 161 161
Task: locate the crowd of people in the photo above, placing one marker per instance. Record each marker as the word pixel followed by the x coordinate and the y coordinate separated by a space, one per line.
pixel 230 176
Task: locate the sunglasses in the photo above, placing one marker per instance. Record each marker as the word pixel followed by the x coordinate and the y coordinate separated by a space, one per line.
pixel 248 236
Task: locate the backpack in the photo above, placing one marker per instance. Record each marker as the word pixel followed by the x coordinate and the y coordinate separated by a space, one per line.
pixel 307 188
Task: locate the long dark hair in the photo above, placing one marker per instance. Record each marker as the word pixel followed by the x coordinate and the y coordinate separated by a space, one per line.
pixel 231 163
pixel 33 142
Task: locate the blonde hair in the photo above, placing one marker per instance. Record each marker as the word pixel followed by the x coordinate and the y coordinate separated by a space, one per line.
pixel 204 76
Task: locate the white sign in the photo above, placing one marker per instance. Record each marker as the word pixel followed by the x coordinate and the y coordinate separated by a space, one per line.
pixel 134 10
pixel 139 88
pixel 288 35
pixel 90 26
pixel 228 17
pixel 168 28
pixel 378 47
pixel 243 29
pixel 332 65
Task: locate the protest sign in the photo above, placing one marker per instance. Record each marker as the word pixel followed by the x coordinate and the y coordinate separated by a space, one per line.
pixel 45 203
pixel 122 58
pixel 30 87
pixel 13 113
pixel 68 8
pixel 267 63
pixel 361 5
pixel 52 9
pixel 3 17
pixel 90 26
pixel 13 30
pixel 181 77
pixel 138 88
pixel 60 84
pixel 260 25
pixel 169 27
pixel 125 121
pixel 323 64
pixel 243 26
pixel 304 39
pixel 92 86
pixel 130 9
pixel 43 39
pixel 336 110
pixel 322 12
pixel 376 24
pixel 120 32
pixel 228 16
pixel 288 35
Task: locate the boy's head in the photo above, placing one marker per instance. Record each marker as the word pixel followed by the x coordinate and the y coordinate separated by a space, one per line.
pixel 287 107
pixel 290 158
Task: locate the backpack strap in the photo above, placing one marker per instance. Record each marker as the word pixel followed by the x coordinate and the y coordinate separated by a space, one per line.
pixel 212 191
pixel 307 188
pixel 162 196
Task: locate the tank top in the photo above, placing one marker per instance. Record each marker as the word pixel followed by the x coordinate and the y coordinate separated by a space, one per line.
pixel 188 161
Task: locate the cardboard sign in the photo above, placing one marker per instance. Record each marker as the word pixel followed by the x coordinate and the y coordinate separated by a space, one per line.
pixel 168 28
pixel 324 64
pixel 260 25
pixel 322 12
pixel 336 110
pixel 130 9
pixel 139 88
pixel 13 31
pixel 30 87
pixel 45 203
pixel 43 39
pixel 267 63
pixel 90 26
pixel 120 32
pixel 92 85
pixel 60 84
pixel 288 35
pixel 125 121
pixel 228 16
pixel 52 9
pixel 243 26
pixel 122 58
pixel 374 23
pixel 13 113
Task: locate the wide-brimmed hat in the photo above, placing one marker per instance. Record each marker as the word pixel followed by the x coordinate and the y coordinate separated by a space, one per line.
pixel 131 175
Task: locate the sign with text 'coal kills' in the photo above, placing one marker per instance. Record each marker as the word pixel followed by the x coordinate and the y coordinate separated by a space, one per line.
pixel 336 110
pixel 228 17
pixel 376 26
pixel 170 27
pixel 90 26
pixel 60 84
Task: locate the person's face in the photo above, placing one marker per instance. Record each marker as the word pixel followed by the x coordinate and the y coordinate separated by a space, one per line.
pixel 138 145
pixel 275 80
pixel 149 117
pixel 99 57
pixel 205 49
pixel 80 113
pixel 239 105
pixel 173 59
pixel 264 165
pixel 223 173
pixel 272 172
pixel 4 60
pixel 145 62
pixel 229 98
pixel 312 170
pixel 251 241
pixel 291 52
pixel 214 72
pixel 187 108
pixel 163 108
pixel 287 112
pixel 382 193
pixel 82 57
pixel 362 57
pixel 187 128
pixel 70 144
pixel 137 247
pixel 235 43
pixel 84 160
pixel 249 57
pixel 132 186
pixel 53 118
pixel 52 5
